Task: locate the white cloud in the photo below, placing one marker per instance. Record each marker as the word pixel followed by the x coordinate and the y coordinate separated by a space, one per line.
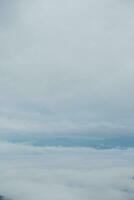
pixel 28 172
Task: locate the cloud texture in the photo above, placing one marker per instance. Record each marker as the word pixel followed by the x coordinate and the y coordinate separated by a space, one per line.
pixel 54 173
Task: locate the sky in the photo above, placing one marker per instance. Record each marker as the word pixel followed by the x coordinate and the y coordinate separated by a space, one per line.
pixel 66 69
pixel 66 99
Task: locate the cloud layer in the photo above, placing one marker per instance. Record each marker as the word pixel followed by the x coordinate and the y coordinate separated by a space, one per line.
pixel 54 173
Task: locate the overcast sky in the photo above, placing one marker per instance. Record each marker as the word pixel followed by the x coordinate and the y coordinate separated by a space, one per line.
pixel 67 67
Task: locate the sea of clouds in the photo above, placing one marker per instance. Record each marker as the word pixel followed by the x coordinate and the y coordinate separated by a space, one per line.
pixel 59 173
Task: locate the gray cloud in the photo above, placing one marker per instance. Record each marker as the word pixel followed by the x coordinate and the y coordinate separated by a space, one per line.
pixel 67 66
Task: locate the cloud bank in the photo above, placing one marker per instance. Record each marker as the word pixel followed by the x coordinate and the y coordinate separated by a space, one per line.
pixel 48 173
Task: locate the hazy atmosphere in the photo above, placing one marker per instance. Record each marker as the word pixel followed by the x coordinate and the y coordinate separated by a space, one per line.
pixel 66 67
pixel 66 99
